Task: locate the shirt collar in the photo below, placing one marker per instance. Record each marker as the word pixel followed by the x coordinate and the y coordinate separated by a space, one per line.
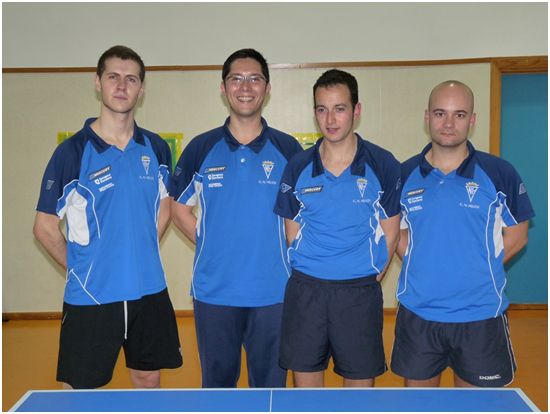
pixel 465 169
pixel 357 166
pixel 255 145
pixel 98 142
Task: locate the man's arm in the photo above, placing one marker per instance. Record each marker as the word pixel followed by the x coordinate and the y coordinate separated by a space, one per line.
pixel 184 219
pixel 390 227
pixel 164 216
pixel 514 238
pixel 291 230
pixel 403 243
pixel 47 232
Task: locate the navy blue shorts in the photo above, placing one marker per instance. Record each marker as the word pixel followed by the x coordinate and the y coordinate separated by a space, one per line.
pixel 338 318
pixel 222 332
pixel 92 335
pixel 479 352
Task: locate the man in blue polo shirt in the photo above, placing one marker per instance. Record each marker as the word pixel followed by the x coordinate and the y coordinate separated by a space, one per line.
pixel 340 201
pixel 109 182
pixel 464 214
pixel 231 174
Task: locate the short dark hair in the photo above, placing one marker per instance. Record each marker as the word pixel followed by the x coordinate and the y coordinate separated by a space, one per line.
pixel 121 52
pixel 334 77
pixel 245 54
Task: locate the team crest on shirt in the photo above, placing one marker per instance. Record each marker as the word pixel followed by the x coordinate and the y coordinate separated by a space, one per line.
pixel 471 189
pixel 268 167
pixel 362 185
pixel 146 161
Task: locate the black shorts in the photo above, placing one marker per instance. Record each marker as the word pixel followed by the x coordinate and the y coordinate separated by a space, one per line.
pixel 91 337
pixel 342 319
pixel 479 352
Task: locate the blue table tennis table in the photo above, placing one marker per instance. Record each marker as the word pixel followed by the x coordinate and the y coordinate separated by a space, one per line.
pixel 279 400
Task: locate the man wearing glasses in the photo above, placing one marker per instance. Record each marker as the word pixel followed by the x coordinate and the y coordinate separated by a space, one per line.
pixel 231 174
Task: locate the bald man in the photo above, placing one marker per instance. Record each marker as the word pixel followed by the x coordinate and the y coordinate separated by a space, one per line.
pixel 464 214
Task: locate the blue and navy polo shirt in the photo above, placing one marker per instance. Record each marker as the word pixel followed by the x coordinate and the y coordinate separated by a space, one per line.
pixel 453 268
pixel 340 236
pixel 110 199
pixel 240 243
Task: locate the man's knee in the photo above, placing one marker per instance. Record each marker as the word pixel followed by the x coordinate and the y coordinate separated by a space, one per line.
pixel 145 379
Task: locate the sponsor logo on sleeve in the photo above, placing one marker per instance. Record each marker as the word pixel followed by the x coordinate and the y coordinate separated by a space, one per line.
pixel 522 189
pixel 285 187
pixel 49 184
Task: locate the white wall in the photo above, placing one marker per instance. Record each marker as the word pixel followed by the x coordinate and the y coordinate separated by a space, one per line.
pixel 74 34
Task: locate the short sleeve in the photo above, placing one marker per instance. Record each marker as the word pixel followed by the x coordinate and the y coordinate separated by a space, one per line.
pixel 286 204
pixel 391 185
pixel 61 175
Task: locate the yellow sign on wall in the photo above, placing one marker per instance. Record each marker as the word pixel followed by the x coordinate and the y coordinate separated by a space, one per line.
pixel 307 139
pixel 174 140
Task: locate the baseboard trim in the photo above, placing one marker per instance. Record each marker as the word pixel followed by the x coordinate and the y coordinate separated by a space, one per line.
pixel 187 313
pixel 528 306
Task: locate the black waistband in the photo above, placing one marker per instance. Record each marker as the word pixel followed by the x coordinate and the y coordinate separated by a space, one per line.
pixel 359 281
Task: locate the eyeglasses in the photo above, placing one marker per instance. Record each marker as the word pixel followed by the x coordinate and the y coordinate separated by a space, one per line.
pixel 240 79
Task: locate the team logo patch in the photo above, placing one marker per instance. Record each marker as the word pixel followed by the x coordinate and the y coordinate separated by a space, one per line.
pixel 522 189
pixel 214 169
pixel 96 174
pixel 285 187
pixel 362 185
pixel 146 161
pixel 471 188
pixel 268 167
pixel 308 190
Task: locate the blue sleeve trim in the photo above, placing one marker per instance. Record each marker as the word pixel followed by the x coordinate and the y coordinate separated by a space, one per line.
pixel 287 205
pixel 409 166
pixel 507 180
pixel 63 167
pixel 387 170
pixel 191 160
pixel 286 144
pixel 160 148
